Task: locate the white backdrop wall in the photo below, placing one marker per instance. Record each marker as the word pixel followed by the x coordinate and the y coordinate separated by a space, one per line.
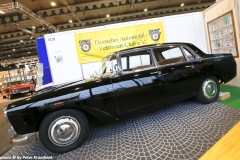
pixel 179 28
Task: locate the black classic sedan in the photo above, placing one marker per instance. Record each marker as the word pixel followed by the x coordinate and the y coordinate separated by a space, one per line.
pixel 127 82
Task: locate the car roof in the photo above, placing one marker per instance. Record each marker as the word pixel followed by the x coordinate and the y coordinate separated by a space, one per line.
pixel 176 44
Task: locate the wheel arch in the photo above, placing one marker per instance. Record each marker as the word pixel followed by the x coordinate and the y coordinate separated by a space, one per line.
pixel 87 114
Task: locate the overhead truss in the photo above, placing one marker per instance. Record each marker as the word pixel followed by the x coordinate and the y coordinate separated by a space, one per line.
pixel 72 12
pixel 15 6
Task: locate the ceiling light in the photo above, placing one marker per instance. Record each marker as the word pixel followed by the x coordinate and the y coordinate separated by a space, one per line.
pixel 145 10
pixel 107 15
pixel 53 3
pixel 70 21
pixel 29 52
pixel 8 55
pixel 182 4
pixel 2 12
pixel 14 49
pixel 21 41
pixel 33 27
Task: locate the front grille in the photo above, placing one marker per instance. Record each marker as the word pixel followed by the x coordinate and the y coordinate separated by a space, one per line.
pixel 24 90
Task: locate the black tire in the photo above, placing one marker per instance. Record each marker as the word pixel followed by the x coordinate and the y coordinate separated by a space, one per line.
pixel 209 90
pixel 60 122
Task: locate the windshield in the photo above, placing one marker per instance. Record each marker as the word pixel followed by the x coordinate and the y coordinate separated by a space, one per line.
pixel 107 66
pixel 15 83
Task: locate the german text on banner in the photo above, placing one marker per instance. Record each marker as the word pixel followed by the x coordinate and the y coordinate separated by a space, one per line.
pixel 93 46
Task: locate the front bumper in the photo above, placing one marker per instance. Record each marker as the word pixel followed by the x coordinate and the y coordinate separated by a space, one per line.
pixel 21 139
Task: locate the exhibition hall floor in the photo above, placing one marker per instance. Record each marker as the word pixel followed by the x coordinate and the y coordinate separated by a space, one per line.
pixel 185 130
pixel 4 138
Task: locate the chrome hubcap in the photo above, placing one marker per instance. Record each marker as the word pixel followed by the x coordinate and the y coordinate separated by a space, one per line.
pixel 209 89
pixel 64 131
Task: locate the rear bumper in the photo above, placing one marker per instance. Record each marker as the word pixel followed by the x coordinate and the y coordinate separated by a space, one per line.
pixel 21 139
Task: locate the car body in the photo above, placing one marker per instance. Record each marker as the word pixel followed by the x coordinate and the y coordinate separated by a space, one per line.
pixel 127 82
pixel 10 89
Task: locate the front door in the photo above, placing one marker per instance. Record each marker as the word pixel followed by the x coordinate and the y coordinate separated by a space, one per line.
pixel 137 86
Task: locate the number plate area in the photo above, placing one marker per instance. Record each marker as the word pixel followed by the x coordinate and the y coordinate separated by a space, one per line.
pixel 24 90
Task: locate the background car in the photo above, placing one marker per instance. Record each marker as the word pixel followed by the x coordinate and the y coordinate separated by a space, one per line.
pixel 10 89
pixel 128 82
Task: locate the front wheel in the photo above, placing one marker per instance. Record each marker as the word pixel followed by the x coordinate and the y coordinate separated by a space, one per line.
pixel 63 130
pixel 209 90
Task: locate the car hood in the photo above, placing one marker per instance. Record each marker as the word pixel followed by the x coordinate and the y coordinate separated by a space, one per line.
pixel 48 93
pixel 20 86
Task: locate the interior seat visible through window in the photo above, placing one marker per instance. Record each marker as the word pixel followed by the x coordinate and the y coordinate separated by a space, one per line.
pixel 169 55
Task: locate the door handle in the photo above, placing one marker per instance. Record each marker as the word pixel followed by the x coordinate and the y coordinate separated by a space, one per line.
pixel 157 72
pixel 191 66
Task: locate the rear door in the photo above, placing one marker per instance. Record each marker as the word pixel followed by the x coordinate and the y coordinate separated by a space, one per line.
pixel 177 69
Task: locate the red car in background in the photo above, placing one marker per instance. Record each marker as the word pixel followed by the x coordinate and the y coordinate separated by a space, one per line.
pixel 10 89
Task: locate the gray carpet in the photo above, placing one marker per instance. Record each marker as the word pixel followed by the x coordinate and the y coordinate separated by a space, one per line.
pixel 185 130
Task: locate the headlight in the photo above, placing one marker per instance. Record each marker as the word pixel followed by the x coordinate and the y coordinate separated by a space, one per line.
pixel 5 114
pixel 15 91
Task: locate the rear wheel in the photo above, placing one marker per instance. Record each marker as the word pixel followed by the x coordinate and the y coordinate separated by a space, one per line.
pixel 63 130
pixel 209 90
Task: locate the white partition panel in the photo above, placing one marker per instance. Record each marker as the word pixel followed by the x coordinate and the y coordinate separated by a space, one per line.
pixel 180 29
pixel 200 31
pixel 62 57
pixel 62 52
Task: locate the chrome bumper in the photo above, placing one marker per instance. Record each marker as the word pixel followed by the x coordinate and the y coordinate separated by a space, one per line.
pixel 21 139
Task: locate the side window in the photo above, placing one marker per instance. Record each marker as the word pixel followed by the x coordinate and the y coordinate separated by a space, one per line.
pixel 145 59
pixel 136 60
pixel 171 55
pixel 188 53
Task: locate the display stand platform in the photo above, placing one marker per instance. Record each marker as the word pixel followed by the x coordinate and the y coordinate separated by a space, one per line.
pixel 184 130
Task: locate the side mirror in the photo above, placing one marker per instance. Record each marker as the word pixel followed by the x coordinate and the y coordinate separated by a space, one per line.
pixel 199 59
pixel 119 72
